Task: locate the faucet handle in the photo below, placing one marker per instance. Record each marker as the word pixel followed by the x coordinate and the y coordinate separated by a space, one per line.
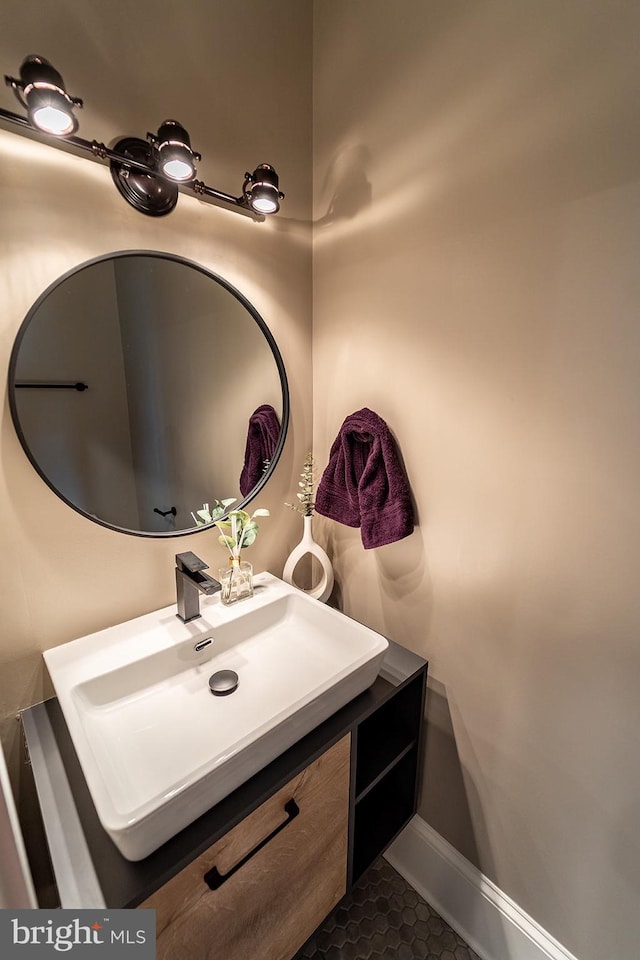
pixel 189 563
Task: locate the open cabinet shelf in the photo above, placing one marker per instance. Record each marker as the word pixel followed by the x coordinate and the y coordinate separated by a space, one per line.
pixel 383 811
pixel 387 734
pixel 387 761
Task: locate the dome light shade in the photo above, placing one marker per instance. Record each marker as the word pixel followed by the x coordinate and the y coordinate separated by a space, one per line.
pixel 261 189
pixel 41 90
pixel 176 159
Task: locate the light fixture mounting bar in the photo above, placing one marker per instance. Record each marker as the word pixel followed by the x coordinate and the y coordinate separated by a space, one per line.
pixel 203 190
pixel 95 150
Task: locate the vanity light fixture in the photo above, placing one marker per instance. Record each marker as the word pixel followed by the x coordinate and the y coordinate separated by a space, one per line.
pixel 261 189
pixel 176 159
pixel 148 173
pixel 41 92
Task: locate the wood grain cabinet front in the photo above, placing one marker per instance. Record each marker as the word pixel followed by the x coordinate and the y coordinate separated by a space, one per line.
pixel 264 887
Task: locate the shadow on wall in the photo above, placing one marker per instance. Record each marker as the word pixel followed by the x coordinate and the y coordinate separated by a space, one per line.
pixel 398 601
pixel 346 184
pixel 446 804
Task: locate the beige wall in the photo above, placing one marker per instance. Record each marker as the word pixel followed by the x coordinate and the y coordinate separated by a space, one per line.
pixel 477 228
pixel 62 576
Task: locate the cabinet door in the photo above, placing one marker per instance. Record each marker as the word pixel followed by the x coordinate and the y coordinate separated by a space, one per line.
pixel 264 887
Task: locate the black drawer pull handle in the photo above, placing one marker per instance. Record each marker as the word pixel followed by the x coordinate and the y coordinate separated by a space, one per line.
pixel 214 879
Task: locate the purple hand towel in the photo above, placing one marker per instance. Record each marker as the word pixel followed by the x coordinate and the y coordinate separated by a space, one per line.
pixel 364 484
pixel 262 438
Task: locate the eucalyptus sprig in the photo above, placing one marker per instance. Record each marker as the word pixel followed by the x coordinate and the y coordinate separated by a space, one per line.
pixel 243 530
pixel 210 514
pixel 305 494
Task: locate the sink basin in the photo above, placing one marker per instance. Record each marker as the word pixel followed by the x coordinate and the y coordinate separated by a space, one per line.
pixel 157 748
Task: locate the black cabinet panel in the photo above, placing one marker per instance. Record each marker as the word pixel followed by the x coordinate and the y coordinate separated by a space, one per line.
pixel 387 733
pixel 387 745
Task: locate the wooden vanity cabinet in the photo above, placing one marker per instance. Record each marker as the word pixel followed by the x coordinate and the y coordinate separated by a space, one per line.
pixel 264 887
pixel 255 875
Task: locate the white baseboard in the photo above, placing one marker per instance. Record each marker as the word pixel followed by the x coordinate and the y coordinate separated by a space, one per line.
pixel 491 922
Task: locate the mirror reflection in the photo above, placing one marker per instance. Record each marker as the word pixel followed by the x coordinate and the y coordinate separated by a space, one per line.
pixel 142 386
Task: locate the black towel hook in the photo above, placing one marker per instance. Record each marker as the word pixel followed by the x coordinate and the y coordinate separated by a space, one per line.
pixel 165 513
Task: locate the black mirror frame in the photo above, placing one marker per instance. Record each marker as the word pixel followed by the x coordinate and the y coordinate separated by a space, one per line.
pixel 244 302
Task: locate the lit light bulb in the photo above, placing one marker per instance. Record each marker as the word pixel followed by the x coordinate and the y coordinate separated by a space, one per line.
pixel 264 204
pixel 53 120
pixel 177 169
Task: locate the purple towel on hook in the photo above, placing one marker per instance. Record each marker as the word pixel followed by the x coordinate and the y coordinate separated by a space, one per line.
pixel 364 484
pixel 262 439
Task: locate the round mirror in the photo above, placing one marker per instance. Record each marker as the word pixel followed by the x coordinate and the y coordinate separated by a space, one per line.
pixel 142 386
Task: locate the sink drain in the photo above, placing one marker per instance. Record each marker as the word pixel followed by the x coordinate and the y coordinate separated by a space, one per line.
pixel 223 683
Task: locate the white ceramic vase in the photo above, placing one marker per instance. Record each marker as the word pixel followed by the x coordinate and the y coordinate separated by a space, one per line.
pixel 308 545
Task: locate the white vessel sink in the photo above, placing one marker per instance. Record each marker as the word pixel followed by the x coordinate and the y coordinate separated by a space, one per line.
pixel 157 748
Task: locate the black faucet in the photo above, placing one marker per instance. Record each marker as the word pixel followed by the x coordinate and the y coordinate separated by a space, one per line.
pixel 190 583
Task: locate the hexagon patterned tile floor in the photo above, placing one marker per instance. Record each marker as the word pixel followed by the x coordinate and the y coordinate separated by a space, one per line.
pixel 384 919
